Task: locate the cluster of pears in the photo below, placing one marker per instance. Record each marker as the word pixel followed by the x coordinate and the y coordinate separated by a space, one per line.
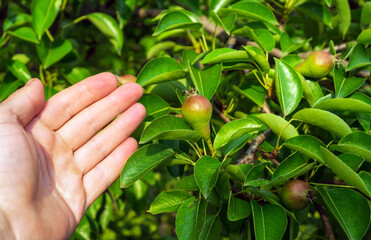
pixel 317 65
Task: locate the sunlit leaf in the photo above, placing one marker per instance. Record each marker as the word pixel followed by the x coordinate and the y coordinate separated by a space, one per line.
pixel 143 161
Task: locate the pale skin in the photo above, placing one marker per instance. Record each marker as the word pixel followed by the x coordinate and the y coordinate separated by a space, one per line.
pixel 54 160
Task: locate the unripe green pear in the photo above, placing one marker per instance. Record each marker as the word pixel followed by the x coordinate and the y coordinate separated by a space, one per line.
pixel 317 65
pixel 197 111
pixel 294 194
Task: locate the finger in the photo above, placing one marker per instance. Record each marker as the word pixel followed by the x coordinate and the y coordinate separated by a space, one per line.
pixel 65 104
pixel 89 121
pixel 109 138
pixel 25 103
pixel 98 179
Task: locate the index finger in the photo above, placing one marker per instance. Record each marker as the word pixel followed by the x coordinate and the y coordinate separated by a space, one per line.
pixel 67 103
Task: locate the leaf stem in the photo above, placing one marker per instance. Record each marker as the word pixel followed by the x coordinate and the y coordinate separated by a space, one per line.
pixel 279 136
pixel 211 148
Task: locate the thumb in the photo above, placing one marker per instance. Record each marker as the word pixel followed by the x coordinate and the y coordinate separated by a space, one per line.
pixel 26 102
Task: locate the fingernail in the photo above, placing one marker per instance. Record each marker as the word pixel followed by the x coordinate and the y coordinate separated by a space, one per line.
pixel 30 82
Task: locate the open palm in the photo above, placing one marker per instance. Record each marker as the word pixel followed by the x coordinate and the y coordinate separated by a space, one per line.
pixel 54 160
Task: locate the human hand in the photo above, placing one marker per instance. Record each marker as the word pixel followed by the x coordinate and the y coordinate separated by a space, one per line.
pixel 54 160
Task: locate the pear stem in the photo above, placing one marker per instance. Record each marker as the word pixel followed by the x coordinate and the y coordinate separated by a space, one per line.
pixel 210 145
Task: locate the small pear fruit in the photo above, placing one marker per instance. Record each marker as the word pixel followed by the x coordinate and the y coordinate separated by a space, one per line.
pixel 127 78
pixel 317 65
pixel 294 194
pixel 197 111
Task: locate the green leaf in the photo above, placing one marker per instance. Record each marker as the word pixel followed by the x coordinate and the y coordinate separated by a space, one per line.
pixel 312 90
pixel 190 219
pixel 19 20
pixel 359 58
pixel 365 36
pixel 255 176
pixel 288 87
pixel 290 166
pixel 207 80
pixel 155 106
pixel 109 27
pixel 292 59
pixel 44 13
pixel 344 104
pixel 159 70
pixel 223 187
pixel 345 204
pixel 24 33
pixel 238 209
pixel 366 177
pixel 51 52
pixel 125 10
pixel 168 201
pixel 143 161
pixel 238 172
pixel 323 119
pixel 261 36
pixel 357 143
pixel 343 171
pixel 233 130
pixel 177 20
pixel 77 74
pixel 252 11
pixel 342 6
pixel 307 145
pixel 227 22
pixel 211 229
pixel 259 57
pixel 317 12
pixel 159 48
pixel 19 70
pixel 277 124
pixel 366 13
pixel 353 161
pixel 226 55
pixel 253 90
pixel 363 118
pixel 169 127
pixel 215 5
pixel 287 46
pixel 187 183
pixel 8 85
pixel 270 221
pixel 206 174
pixel 345 86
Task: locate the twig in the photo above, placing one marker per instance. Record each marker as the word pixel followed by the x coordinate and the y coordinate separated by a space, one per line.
pixel 270 156
pixel 326 222
pixel 250 153
pixel 221 114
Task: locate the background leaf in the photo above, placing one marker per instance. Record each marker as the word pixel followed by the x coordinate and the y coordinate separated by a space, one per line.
pixel 343 171
pixel 44 13
pixel 345 208
pixel 52 52
pixel 176 20
pixel 270 221
pixel 109 27
pixel 343 8
pixel 357 143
